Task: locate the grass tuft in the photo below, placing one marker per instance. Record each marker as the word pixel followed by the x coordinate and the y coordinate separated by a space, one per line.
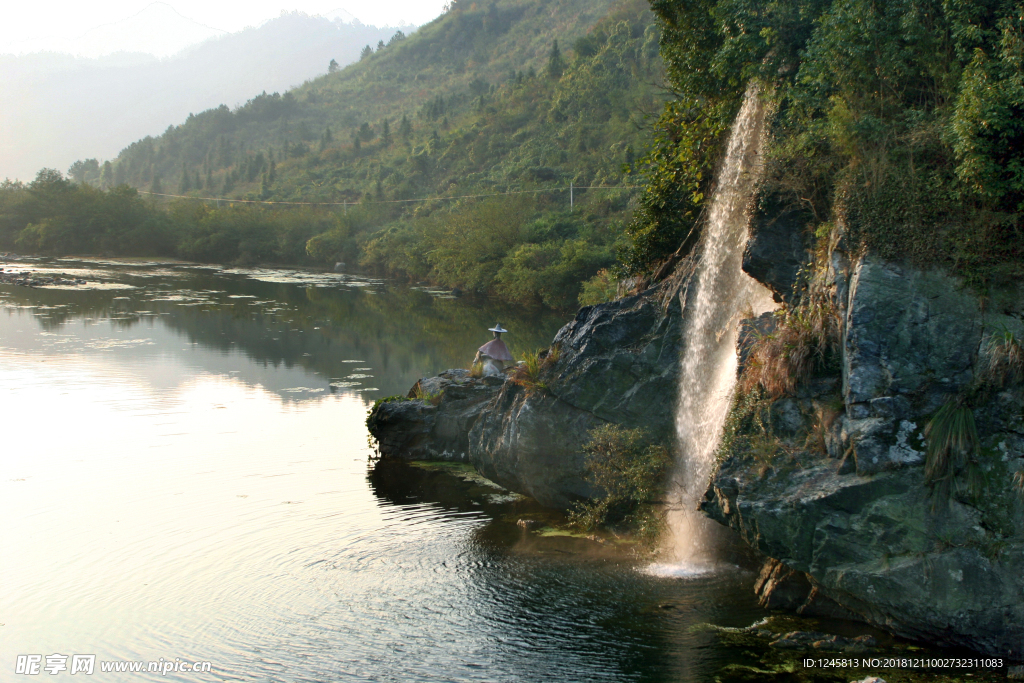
pixel 431 398
pixel 952 451
pixel 1004 359
pixel 530 372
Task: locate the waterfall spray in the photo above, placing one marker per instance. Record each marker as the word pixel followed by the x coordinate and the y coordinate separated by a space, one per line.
pixel 720 295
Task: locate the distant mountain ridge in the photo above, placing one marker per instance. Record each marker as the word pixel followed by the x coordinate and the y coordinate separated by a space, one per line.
pixel 159 30
pixel 55 108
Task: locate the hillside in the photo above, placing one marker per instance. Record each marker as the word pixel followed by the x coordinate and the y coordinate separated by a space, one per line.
pixel 517 98
pixel 60 108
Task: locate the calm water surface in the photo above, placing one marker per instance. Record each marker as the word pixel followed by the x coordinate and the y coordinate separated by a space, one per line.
pixel 184 474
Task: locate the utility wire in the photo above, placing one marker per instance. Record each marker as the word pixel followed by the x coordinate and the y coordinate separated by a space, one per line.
pixel 388 201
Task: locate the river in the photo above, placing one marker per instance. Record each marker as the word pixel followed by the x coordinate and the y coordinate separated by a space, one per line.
pixel 186 476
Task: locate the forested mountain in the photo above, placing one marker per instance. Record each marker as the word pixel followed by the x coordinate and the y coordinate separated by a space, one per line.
pixel 58 108
pixel 516 98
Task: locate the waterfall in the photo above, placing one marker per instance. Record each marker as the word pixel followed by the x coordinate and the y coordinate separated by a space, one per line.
pixel 719 295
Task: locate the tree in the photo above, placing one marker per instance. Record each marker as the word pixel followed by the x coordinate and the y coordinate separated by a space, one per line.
pixel 108 175
pixel 367 52
pixel 186 181
pixel 380 45
pixel 405 128
pixel 333 66
pixel 385 133
pixel 556 65
pixel 84 171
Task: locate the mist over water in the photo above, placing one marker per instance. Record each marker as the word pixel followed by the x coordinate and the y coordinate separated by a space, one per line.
pixel 720 295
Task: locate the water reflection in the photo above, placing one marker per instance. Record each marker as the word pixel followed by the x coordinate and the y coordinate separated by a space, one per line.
pixel 177 479
pixel 345 333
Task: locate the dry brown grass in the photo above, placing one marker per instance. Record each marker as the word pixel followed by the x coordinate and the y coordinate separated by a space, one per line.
pixel 1004 359
pixel 527 373
pixel 802 338
pixel 817 437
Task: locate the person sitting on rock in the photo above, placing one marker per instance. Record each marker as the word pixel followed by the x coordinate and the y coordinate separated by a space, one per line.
pixel 493 355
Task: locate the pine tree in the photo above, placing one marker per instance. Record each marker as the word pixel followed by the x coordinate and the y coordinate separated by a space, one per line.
pixel 385 134
pixel 333 66
pixel 556 65
pixel 186 181
pixel 367 52
pixel 405 128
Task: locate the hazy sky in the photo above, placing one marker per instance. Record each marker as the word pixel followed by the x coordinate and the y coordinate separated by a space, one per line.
pixel 71 18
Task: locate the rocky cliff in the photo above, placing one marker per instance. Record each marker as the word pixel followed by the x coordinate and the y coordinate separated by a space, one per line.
pixel 832 482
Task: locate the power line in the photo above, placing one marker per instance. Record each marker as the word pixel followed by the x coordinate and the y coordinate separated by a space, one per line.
pixel 390 201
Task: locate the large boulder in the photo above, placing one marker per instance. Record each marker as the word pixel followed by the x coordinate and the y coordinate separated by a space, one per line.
pixel 434 420
pixel 778 247
pixel 616 362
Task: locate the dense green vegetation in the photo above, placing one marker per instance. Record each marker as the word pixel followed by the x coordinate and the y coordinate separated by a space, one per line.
pixel 516 100
pixel 630 472
pixel 899 120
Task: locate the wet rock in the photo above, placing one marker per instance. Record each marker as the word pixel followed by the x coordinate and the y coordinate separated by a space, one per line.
pixel 779 587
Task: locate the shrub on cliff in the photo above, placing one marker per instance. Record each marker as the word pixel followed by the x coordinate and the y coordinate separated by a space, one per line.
pixel 631 471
